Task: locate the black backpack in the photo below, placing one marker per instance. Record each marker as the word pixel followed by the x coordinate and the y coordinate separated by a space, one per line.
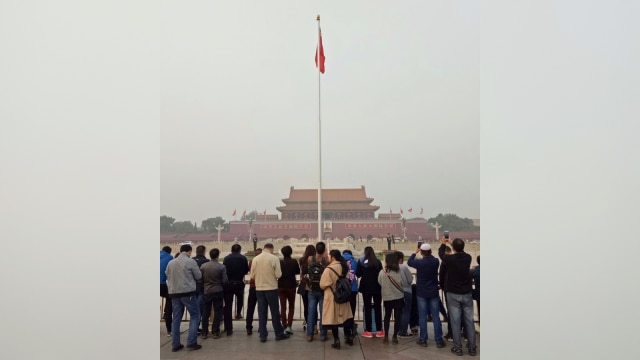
pixel 315 273
pixel 342 294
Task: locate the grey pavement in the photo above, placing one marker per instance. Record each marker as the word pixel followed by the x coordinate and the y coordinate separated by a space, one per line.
pixel 243 346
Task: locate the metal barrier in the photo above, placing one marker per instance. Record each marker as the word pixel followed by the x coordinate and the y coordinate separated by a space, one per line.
pixel 358 316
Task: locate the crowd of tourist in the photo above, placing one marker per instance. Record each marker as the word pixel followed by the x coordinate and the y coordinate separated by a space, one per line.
pixel 202 285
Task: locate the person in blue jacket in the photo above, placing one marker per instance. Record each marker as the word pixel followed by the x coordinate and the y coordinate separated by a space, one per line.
pixel 165 257
pixel 353 265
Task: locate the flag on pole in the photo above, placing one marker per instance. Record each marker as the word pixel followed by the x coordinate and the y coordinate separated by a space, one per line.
pixel 410 210
pixel 234 212
pixel 244 213
pixel 320 52
pixel 420 211
pixel 264 212
pixel 401 212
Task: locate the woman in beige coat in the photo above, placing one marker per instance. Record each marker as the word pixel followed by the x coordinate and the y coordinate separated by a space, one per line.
pixel 334 314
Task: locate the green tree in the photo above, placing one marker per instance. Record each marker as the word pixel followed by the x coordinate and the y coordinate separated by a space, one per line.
pixel 210 225
pixel 453 222
pixel 166 224
pixel 249 216
pixel 182 227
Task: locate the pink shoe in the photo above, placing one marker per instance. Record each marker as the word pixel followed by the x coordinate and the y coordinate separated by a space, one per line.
pixel 380 333
pixel 366 334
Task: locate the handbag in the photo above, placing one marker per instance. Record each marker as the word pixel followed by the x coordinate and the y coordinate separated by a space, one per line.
pixel 302 289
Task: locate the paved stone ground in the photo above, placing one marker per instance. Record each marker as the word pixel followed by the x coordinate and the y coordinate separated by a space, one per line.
pixel 242 346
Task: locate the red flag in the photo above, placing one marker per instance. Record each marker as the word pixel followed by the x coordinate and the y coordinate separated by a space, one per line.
pixel 410 210
pixel 321 51
pixel 244 213
pixel 401 212
pixel 420 211
pixel 234 212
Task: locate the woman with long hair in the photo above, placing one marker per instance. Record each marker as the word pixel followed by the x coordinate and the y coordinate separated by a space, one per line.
pixel 368 268
pixel 287 287
pixel 309 251
pixel 392 283
pixel 335 315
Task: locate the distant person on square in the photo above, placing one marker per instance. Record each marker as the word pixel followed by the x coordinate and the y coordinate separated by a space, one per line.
pixel 165 257
pixel 255 242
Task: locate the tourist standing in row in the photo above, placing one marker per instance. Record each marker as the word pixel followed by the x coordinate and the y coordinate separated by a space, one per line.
pixel 353 266
pixel 182 274
pixel 252 300
pixel 287 285
pixel 334 314
pixel 165 257
pixel 200 259
pixel 309 251
pixel 316 266
pixel 405 332
pixel 265 270
pixel 214 277
pixel 427 293
pixel 237 267
pixel 368 269
pixel 459 297
pixel 392 283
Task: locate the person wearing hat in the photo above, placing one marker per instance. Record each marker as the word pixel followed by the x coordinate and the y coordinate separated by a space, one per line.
pixel 427 293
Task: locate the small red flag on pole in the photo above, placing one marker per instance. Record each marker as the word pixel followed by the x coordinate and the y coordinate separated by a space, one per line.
pixel 410 210
pixel 320 50
pixel 420 211
pixel 234 212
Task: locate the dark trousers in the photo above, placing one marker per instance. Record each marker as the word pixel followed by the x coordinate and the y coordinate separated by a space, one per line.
pixel 287 295
pixel 394 306
pixel 168 307
pixel 348 326
pixel 305 306
pixel 214 300
pixel 251 307
pixel 415 317
pixel 234 288
pixel 268 301
pixel 377 309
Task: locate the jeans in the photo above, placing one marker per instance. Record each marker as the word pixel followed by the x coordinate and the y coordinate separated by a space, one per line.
pixel 406 313
pixel 426 306
pixel 234 288
pixel 252 300
pixel 179 304
pixel 168 308
pixel 377 308
pixel 394 306
pixel 316 299
pixel 214 299
pixel 287 295
pixel 268 299
pixel 461 311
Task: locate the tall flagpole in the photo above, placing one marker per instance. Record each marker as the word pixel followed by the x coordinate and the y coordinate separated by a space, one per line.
pixel 319 140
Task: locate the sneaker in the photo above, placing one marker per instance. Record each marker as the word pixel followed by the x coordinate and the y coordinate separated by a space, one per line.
pixel 238 317
pixel 414 330
pixel 288 330
pixel 216 335
pixel 406 335
pixel 282 337
pixel 456 351
pixel 178 348
pixel 366 334
pixel 194 347
pixel 169 335
pixel 380 333
pixel 441 345
pixel 472 352
pixel 422 343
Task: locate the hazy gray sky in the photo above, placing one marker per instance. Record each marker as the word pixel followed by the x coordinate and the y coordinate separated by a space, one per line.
pixel 400 104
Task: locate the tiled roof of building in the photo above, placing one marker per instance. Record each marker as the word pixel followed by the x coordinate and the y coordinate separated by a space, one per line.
pixel 329 195
pixel 328 207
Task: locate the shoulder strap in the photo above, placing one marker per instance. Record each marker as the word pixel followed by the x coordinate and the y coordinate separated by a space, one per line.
pixel 395 283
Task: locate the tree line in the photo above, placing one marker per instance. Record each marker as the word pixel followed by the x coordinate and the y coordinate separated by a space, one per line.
pixel 169 225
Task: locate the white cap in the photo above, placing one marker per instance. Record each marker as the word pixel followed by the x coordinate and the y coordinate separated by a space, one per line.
pixel 425 247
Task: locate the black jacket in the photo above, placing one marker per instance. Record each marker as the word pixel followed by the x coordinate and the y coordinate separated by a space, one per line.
pixel 237 267
pixel 368 278
pixel 457 279
pixel 200 259
pixel 290 268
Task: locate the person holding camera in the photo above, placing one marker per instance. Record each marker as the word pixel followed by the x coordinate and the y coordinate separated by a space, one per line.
pixel 459 289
